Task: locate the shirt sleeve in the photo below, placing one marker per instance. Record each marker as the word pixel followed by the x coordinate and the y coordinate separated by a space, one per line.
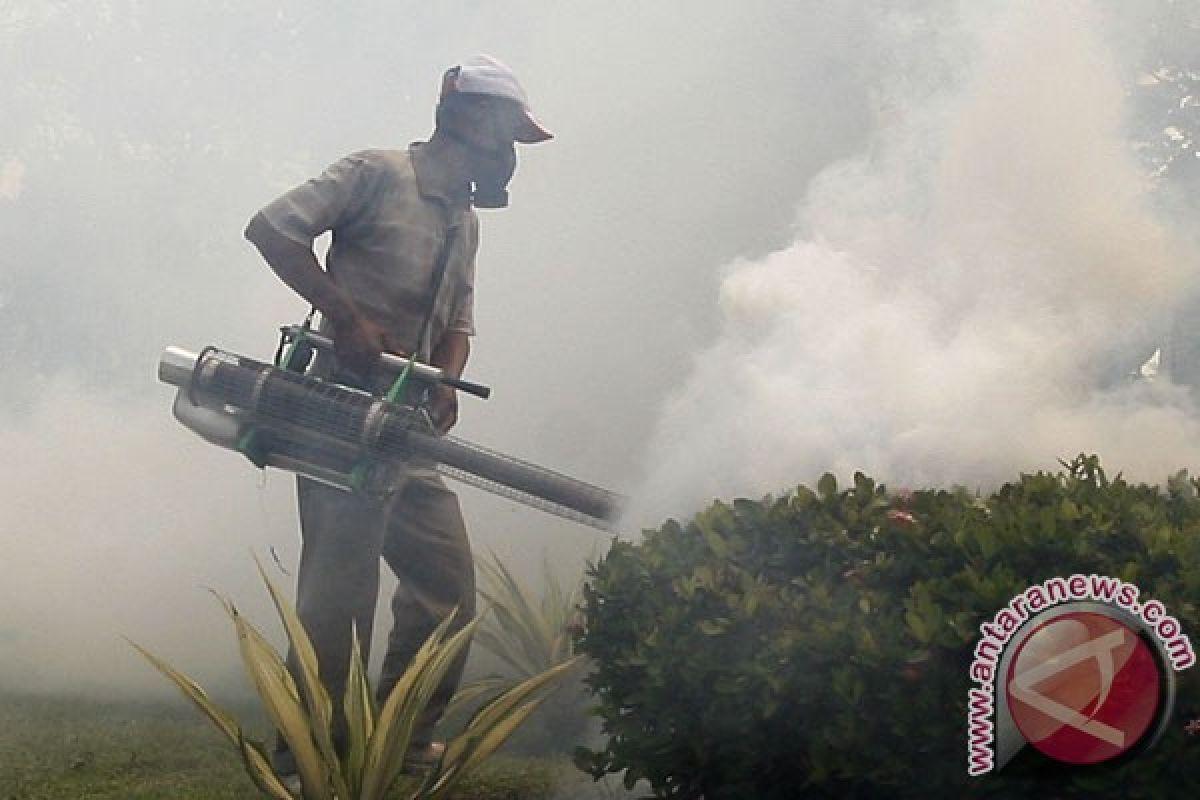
pixel 305 212
pixel 462 314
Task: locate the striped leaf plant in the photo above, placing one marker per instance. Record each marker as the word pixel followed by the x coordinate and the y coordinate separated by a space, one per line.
pixel 372 763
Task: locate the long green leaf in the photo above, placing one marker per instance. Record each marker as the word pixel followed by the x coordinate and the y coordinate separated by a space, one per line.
pixel 277 689
pixel 442 657
pixel 408 698
pixel 497 646
pixel 258 766
pixel 316 699
pixel 520 610
pixel 256 762
pixel 394 726
pixel 470 692
pixel 503 704
pixel 527 636
pixel 480 747
pixel 522 637
pixel 360 718
pixel 219 717
pixel 516 599
pixel 500 708
pixel 492 726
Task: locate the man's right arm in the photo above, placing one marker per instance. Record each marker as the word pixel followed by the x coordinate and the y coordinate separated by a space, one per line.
pixel 297 266
pixel 359 340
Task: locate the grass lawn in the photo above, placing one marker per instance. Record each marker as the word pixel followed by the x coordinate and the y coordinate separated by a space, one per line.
pixel 54 748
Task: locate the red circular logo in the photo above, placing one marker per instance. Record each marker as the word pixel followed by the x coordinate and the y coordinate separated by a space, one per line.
pixel 1083 688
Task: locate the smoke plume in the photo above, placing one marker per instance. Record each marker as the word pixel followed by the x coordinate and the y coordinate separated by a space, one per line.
pixel 962 301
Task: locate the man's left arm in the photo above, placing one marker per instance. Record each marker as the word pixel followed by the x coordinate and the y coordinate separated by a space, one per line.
pixel 450 352
pixel 451 355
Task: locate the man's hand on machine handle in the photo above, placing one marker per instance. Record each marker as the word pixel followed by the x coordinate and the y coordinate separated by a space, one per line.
pixel 358 341
pixel 443 407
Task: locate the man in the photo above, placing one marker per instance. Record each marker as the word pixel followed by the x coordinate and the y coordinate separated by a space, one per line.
pixel 399 277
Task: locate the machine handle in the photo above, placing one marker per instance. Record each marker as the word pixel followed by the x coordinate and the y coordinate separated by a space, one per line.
pixel 395 363
pixel 477 389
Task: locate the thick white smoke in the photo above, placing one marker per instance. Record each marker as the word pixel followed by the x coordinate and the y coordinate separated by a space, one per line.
pixel 961 301
pixel 100 562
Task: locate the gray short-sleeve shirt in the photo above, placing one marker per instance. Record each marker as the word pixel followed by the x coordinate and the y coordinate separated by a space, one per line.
pixel 386 237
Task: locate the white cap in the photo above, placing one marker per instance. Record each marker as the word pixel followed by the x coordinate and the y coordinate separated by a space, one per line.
pixel 483 74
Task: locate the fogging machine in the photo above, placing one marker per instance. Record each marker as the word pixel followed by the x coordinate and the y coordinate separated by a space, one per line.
pixel 279 416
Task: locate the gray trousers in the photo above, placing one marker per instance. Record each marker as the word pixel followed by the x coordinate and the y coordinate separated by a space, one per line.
pixel 418 531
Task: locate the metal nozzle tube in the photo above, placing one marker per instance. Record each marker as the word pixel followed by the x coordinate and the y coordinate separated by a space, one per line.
pixel 175 366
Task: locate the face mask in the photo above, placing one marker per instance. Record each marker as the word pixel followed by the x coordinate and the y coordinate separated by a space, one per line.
pixel 492 174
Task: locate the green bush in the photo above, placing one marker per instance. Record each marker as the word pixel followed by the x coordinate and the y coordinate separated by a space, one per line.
pixel 818 645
